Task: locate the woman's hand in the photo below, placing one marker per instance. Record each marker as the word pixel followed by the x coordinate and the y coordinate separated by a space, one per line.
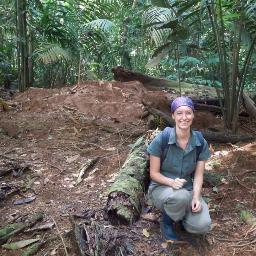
pixel 196 205
pixel 178 183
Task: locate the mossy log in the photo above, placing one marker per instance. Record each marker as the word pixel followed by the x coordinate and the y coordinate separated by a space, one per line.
pixel 127 191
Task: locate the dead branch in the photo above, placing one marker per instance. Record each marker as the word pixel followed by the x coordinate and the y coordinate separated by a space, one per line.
pixel 79 238
pixel 89 163
pixel 241 184
pixel 246 172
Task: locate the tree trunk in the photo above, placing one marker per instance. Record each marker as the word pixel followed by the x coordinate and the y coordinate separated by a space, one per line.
pixel 125 195
pixel 22 45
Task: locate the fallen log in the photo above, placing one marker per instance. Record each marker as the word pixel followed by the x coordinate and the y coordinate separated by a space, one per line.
pixel 211 108
pixel 125 75
pixel 208 135
pixel 125 195
pixel 249 104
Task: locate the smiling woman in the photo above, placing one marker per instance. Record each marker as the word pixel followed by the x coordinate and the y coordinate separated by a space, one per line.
pixel 176 174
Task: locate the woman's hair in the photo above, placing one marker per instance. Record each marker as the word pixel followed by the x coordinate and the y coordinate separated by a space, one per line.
pixel 181 101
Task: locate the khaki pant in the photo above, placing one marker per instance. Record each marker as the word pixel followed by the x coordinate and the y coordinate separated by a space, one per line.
pixel 177 204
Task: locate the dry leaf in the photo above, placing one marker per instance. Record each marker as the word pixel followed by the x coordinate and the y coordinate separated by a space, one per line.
pixel 145 232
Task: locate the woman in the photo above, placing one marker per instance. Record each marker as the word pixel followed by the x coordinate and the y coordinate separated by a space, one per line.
pixel 176 180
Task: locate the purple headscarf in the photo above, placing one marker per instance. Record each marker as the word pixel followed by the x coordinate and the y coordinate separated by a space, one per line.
pixel 182 101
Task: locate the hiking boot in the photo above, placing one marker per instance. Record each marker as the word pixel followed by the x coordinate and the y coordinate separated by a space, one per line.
pixel 167 228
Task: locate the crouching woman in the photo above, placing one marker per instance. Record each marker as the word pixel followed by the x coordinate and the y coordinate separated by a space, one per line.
pixel 176 173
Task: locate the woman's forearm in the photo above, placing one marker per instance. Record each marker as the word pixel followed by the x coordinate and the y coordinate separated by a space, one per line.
pixel 161 179
pixel 198 179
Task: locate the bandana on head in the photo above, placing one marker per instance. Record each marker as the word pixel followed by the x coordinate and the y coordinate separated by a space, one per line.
pixel 182 101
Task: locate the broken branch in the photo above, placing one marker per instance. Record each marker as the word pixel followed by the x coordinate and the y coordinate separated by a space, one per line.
pixel 89 163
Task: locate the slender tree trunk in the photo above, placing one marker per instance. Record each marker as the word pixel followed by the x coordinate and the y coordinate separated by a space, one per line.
pixel 79 68
pixel 178 62
pixel 30 61
pixel 22 45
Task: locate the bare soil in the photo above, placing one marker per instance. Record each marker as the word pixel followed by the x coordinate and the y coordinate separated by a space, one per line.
pixel 54 132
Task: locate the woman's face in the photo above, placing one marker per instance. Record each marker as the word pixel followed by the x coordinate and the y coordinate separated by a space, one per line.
pixel 183 117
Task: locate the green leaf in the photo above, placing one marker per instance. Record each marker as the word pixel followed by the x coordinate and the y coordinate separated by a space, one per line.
pixel 10 228
pixel 20 244
pixel 248 217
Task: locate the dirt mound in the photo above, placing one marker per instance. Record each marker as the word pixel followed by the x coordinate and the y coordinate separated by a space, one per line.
pixel 54 132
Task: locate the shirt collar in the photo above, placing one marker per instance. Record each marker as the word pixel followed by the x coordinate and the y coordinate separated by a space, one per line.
pixel 193 140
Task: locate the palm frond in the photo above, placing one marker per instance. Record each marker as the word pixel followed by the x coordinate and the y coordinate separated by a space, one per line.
pixel 156 17
pixel 100 24
pixel 158 55
pixel 51 53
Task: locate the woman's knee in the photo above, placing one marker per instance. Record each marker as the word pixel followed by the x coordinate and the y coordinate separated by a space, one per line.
pixel 180 198
pixel 201 227
pixel 160 195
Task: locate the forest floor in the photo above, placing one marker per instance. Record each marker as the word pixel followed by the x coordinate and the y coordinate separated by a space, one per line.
pixel 49 134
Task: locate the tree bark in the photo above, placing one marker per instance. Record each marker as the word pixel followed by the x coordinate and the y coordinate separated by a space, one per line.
pixel 124 198
pixel 250 105
pixel 22 45
pixel 210 136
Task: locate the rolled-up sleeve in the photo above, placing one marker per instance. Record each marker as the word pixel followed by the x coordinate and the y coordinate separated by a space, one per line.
pixel 154 147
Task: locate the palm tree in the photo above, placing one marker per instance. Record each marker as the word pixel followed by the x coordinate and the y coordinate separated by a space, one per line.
pixel 224 23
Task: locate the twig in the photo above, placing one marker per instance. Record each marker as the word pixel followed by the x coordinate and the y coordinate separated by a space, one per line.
pixel 69 108
pixel 88 239
pixel 61 237
pixel 246 172
pixel 252 229
pixel 229 240
pixel 242 245
pixel 240 183
pixel 56 167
